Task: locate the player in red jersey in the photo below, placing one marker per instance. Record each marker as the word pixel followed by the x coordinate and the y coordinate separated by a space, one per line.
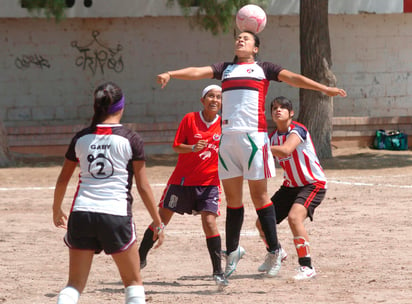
pixel 194 186
pixel 100 218
pixel 304 184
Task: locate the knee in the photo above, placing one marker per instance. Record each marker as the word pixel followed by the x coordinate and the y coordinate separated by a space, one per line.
pixel 294 219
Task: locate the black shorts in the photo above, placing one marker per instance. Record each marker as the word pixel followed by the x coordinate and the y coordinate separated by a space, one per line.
pixel 99 231
pixel 309 196
pixel 191 199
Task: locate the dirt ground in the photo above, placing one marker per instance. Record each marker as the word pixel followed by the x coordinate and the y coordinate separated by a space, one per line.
pixel 361 241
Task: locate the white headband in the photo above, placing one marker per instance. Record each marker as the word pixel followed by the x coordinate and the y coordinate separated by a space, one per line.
pixel 210 87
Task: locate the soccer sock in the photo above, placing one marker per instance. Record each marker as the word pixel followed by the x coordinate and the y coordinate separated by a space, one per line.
pixel 135 294
pixel 234 221
pixel 267 219
pixel 302 248
pixel 68 295
pixel 214 245
pixel 146 244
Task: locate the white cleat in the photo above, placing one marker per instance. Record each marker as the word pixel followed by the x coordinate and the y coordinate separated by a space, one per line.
pixel 266 264
pixel 305 273
pixel 233 259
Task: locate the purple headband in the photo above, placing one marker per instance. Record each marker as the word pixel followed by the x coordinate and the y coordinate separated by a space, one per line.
pixel 113 108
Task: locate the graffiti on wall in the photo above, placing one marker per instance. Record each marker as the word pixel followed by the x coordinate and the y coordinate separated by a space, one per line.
pixel 26 61
pixel 95 56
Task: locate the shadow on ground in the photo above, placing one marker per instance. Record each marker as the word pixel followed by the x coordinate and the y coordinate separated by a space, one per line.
pixel 369 159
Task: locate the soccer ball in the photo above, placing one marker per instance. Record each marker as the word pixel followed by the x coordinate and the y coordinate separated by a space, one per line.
pixel 251 18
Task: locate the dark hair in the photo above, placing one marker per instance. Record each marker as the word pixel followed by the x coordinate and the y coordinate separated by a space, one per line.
pixel 283 102
pixel 257 43
pixel 104 95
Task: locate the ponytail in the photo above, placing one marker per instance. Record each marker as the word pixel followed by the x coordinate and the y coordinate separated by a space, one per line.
pixel 104 96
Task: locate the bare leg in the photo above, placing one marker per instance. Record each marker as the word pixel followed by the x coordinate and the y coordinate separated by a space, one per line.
pixel 128 263
pixel 79 268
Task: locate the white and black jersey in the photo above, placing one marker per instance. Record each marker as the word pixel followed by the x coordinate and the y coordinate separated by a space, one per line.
pixel 244 89
pixel 105 154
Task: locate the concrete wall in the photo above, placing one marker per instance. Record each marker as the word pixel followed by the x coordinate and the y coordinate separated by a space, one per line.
pixel 49 70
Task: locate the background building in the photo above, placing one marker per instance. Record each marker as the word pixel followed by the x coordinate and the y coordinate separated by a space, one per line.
pixel 48 69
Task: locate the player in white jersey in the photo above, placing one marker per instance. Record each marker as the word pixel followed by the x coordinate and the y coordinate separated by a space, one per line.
pixel 109 156
pixel 304 185
pixel 244 150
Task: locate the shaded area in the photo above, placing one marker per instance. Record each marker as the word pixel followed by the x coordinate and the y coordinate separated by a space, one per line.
pixel 368 159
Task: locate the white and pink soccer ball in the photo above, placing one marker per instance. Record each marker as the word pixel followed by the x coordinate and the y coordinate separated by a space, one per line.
pixel 251 18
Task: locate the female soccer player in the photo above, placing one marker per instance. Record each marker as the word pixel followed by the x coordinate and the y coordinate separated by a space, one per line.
pixel 109 156
pixel 194 185
pixel 304 185
pixel 244 149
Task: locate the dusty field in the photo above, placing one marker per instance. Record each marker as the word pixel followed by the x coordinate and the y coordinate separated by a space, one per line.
pixel 361 241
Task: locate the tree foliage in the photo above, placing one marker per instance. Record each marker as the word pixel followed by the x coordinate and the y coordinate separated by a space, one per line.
pixel 49 8
pixel 216 16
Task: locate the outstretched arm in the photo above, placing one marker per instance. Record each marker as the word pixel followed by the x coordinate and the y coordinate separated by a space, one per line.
pixel 300 81
pixel 190 73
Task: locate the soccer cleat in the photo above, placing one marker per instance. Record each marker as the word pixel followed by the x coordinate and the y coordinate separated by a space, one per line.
pixel 266 264
pixel 305 273
pixel 233 259
pixel 275 262
pixel 143 264
pixel 220 279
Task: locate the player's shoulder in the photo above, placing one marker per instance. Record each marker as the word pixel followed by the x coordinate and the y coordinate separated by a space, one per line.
pixel 219 66
pixel 269 65
pixel 191 116
pixel 83 132
pixel 298 125
pixel 126 132
pixel 299 128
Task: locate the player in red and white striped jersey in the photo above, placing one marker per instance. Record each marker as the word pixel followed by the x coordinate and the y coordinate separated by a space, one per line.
pixel 304 184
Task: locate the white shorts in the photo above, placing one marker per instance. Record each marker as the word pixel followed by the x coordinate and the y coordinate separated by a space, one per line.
pixel 247 155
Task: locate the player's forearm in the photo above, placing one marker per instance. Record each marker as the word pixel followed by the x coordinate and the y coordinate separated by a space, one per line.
pixel 300 81
pixel 191 73
pixel 280 151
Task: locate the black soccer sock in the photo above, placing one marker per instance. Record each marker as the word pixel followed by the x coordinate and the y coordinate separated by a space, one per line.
pixel 146 244
pixel 214 245
pixel 267 220
pixel 234 221
pixel 306 261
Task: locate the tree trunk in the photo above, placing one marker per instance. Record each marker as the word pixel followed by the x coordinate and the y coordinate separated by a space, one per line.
pixel 5 156
pixel 316 108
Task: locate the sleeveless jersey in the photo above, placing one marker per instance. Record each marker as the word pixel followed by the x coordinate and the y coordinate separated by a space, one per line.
pixel 302 167
pixel 244 89
pixel 198 168
pixel 105 156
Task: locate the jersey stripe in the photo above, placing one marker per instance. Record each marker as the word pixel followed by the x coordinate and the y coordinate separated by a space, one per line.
pixel 302 167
